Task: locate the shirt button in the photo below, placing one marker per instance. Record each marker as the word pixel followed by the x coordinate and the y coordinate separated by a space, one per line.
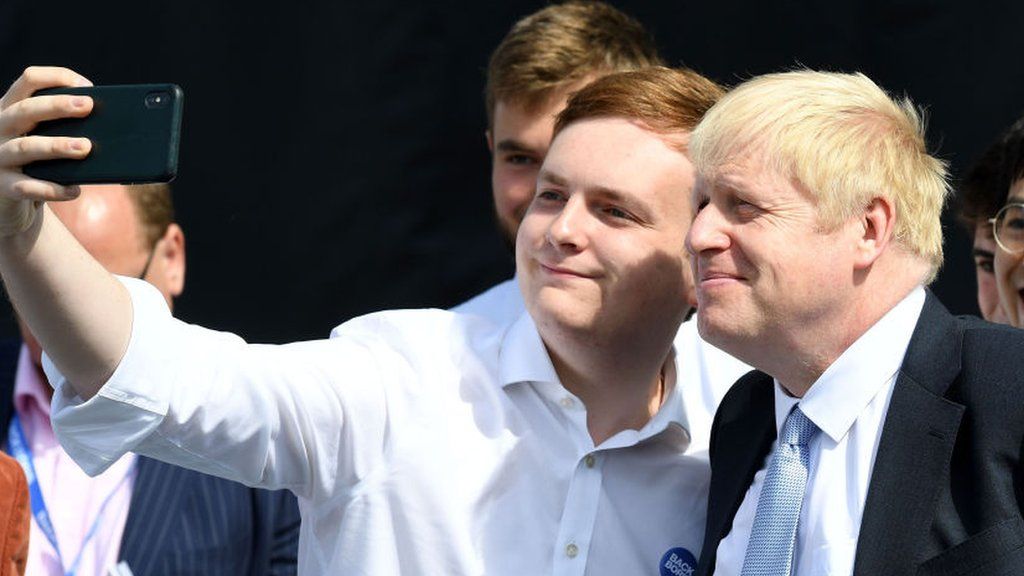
pixel 572 550
pixel 566 402
pixel 589 460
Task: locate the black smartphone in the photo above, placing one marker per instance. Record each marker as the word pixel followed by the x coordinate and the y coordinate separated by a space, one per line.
pixel 134 131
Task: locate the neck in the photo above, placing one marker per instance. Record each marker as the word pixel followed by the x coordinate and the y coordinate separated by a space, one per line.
pixel 622 386
pixel 821 346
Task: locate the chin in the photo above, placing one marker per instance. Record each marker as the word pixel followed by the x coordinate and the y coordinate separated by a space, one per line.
pixel 555 314
pixel 723 330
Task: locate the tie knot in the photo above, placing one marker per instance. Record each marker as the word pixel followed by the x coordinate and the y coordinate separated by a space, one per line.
pixel 798 428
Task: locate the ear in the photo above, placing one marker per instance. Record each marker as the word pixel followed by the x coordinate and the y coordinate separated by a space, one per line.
pixel 877 226
pixel 168 273
pixel 490 140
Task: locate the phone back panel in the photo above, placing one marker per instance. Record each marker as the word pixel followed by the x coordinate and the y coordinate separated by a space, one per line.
pixel 134 135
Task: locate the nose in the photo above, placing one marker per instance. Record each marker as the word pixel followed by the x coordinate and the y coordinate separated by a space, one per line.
pixel 568 228
pixel 707 231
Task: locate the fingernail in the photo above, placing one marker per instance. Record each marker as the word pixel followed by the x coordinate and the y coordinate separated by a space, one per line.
pixel 79 101
pixel 82 81
pixel 78 144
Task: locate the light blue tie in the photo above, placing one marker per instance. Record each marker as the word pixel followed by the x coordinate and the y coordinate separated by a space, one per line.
pixel 770 549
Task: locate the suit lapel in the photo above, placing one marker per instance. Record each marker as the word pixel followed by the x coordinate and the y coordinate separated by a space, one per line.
pixel 915 448
pixel 742 440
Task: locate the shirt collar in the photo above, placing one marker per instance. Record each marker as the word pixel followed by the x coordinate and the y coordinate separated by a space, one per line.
pixel 524 358
pixel 29 387
pixel 671 417
pixel 845 389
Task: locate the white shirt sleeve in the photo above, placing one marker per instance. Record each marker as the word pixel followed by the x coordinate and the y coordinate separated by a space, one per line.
pixel 264 415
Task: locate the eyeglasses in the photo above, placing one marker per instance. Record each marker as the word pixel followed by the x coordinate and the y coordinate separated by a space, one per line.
pixel 1008 228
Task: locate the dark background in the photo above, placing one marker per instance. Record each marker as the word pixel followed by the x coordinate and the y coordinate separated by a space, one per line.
pixel 334 161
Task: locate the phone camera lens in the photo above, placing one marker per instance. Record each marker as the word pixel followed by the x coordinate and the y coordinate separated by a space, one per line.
pixel 157 99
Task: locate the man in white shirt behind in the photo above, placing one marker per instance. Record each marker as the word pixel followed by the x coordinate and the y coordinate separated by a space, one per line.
pixel 418 442
pixel 881 435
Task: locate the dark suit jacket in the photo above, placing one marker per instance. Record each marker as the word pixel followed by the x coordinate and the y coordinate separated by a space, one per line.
pixel 184 522
pixel 947 485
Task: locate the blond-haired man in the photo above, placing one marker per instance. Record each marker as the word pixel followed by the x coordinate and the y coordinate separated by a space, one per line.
pixel 881 434
pixel 420 442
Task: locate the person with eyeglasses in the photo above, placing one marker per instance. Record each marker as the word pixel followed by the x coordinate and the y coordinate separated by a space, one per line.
pixel 992 208
pixel 980 194
pixel 1008 229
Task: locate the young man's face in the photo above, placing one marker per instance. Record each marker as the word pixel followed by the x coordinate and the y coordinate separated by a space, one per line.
pixel 765 269
pixel 600 250
pixel 1009 268
pixel 518 140
pixel 984 255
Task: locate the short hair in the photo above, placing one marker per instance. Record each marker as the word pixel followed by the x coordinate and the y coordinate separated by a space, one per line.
pixel 844 140
pixel 154 209
pixel 663 100
pixel 562 45
pixel 983 189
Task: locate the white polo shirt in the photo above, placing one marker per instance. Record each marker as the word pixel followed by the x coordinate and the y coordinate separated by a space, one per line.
pixel 418 442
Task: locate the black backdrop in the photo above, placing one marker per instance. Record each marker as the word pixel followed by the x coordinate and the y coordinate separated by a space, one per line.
pixel 334 162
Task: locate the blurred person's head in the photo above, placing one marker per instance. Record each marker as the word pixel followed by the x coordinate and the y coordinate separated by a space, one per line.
pixel 601 248
pixel 818 209
pixel 1009 257
pixel 130 230
pixel 544 57
pixel 982 193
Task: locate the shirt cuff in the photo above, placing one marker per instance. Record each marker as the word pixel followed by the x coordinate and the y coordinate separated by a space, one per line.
pixel 130 405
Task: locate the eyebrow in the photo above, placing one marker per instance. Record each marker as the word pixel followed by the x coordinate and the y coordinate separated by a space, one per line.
pixel 729 183
pixel 512 145
pixel 983 252
pixel 642 210
pixel 549 176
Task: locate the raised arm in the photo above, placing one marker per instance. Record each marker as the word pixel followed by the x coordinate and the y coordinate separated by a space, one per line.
pixel 80 313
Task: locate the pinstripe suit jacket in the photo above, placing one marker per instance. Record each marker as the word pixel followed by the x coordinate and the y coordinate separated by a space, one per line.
pixel 182 522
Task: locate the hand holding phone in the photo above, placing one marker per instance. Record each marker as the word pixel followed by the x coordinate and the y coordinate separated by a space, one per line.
pixel 20 195
pixel 134 130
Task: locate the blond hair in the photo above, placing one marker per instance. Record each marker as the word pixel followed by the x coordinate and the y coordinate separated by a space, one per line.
pixel 562 45
pixel 664 100
pixel 844 140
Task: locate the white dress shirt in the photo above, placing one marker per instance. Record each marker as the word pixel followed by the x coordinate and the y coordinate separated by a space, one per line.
pixel 501 303
pixel 700 361
pixel 418 442
pixel 848 403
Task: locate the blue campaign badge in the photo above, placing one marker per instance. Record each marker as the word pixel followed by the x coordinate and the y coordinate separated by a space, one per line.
pixel 678 562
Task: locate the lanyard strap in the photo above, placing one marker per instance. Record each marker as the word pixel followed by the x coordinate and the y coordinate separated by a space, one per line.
pixel 21 452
